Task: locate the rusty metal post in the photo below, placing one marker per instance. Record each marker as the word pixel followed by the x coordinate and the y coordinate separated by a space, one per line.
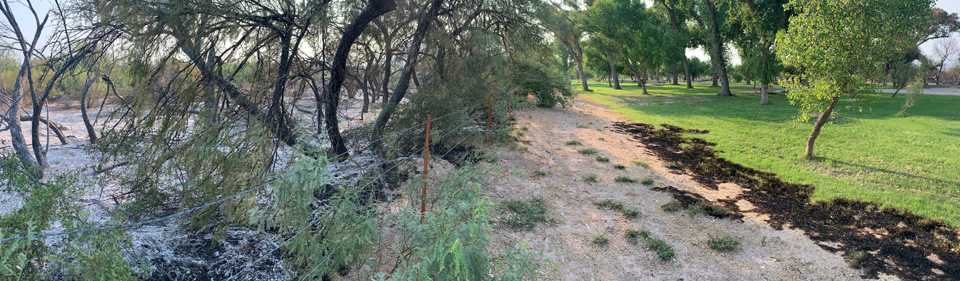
pixel 426 166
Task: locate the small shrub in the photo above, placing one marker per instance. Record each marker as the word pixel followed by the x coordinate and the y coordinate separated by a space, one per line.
pixel 854 259
pixel 590 178
pixel 631 213
pixel 603 159
pixel 664 250
pixel 723 243
pixel 619 167
pixel 647 181
pixel 540 173
pixel 574 142
pixel 588 151
pixel 583 126
pixel 526 214
pixel 601 139
pixel 610 204
pixel 601 240
pixel 641 164
pixel 625 179
pixel 632 235
pixel 673 206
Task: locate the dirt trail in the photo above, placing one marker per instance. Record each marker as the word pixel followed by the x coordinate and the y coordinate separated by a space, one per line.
pixel 765 254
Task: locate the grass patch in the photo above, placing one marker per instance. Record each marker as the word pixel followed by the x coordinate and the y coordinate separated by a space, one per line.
pixel 603 159
pixel 854 259
pixel 588 151
pixel 600 240
pixel 609 204
pixel 590 178
pixel 641 164
pixel 583 126
pixel 619 167
pixel 647 181
pixel 539 173
pixel 908 162
pixel 664 250
pixel 573 142
pixel 525 214
pixel 625 179
pixel 601 139
pixel 631 213
pixel 673 206
pixel 632 235
pixel 723 243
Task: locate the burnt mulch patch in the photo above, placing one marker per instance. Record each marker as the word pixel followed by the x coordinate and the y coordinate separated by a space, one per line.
pixel 691 200
pixel 897 241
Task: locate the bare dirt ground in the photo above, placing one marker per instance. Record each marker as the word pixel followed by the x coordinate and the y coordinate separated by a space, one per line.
pixel 567 245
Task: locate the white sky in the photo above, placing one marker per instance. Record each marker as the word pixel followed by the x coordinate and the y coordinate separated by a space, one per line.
pixel 25 19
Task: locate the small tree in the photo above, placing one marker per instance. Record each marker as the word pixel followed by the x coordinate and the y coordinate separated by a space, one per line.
pixel 839 44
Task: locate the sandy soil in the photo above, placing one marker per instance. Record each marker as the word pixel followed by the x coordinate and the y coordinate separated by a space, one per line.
pixel 765 254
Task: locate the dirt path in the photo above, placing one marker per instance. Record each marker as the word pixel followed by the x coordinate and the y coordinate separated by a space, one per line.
pixel 765 254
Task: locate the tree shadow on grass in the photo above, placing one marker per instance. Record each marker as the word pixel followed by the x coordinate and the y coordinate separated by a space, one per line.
pixel 942 182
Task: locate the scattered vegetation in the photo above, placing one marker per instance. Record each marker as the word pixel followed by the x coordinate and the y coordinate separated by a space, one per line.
pixel 601 240
pixel 525 214
pixel 664 250
pixel 631 213
pixel 708 209
pixel 625 179
pixel 602 159
pixel 540 173
pixel 588 151
pixel 854 259
pixel 673 206
pixel 647 181
pixel 632 235
pixel 723 243
pixel 590 178
pixel 610 204
pixel 583 126
pixel 619 167
pixel 641 164
pixel 601 139
pixel 573 142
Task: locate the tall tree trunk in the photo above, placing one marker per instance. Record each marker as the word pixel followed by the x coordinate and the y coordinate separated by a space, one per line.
pixel 613 71
pixel 387 70
pixel 715 77
pixel 577 52
pixel 764 94
pixel 686 70
pixel 413 55
pixel 13 120
pixel 374 9
pixel 675 75
pixel 719 61
pixel 816 127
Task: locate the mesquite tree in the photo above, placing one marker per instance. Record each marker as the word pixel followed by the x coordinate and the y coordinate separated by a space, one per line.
pixel 840 44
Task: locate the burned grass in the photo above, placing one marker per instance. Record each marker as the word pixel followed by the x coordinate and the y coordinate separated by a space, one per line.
pixel 897 241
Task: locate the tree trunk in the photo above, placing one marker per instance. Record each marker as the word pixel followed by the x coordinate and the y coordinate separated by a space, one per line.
pixel 686 70
pixel 718 50
pixel 613 72
pixel 577 53
pixel 675 75
pixel 83 109
pixel 816 127
pixel 764 94
pixel 583 77
pixel 413 54
pixel 715 77
pixel 374 9
pixel 387 70
pixel 13 120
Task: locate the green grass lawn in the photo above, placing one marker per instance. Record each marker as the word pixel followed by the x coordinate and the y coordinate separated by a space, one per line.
pixel 866 154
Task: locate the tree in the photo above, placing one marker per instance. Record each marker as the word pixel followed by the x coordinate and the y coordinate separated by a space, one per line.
pixel 941 25
pixel 710 15
pixel 566 27
pixel 682 33
pixel 944 51
pixel 839 45
pixel 761 21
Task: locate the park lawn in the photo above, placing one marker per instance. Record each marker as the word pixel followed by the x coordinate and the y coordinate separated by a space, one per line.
pixel 866 154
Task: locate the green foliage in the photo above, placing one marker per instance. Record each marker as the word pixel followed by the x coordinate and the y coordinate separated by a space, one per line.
pixel 619 167
pixel 641 164
pixel 854 259
pixel 632 235
pixel 450 242
pixel 573 142
pixel 600 240
pixel 625 179
pixel 540 173
pixel 647 181
pixel 631 213
pixel 723 243
pixel 548 88
pixel 708 209
pixel 602 159
pixel 609 204
pixel 840 44
pixel 673 206
pixel 525 214
pixel 588 151
pixel 590 178
pixel 664 250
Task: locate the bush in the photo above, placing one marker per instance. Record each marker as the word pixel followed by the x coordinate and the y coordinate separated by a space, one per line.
pixel 625 179
pixel 663 249
pixel 723 243
pixel 550 89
